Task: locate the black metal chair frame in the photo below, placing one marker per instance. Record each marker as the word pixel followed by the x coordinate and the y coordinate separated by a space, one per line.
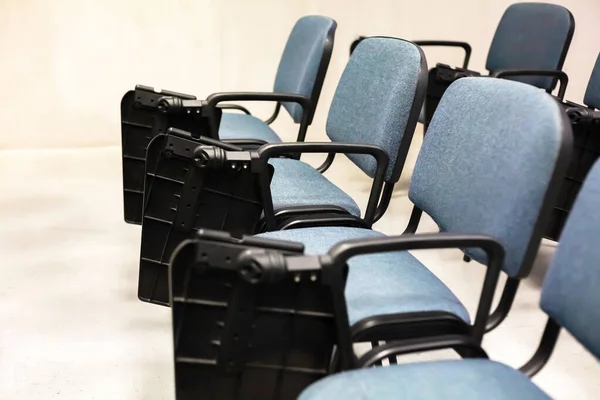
pixel 391 350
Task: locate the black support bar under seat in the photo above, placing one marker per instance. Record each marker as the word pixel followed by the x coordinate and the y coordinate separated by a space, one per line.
pixel 417 345
pixel 544 350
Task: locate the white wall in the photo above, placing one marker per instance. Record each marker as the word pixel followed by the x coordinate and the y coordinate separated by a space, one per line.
pixel 66 63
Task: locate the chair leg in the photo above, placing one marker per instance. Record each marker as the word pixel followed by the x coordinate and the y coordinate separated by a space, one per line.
pixel 373 345
pixel 392 360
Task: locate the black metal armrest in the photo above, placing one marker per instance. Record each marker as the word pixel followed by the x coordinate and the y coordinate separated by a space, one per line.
pixel 273 117
pixel 562 77
pixel 441 43
pixel 304 102
pixel 448 43
pixel 381 156
pixel 343 251
pixel 235 107
pixel 417 345
pixel 216 98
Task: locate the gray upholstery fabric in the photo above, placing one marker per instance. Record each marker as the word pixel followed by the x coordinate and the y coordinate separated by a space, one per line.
pixel 592 93
pixel 468 379
pixel 374 98
pixel 486 162
pixel 530 36
pixel 243 126
pixel 296 183
pixel 301 58
pixel 379 284
pixel 571 291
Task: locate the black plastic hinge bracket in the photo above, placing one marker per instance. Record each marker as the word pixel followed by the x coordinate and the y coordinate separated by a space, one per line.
pixel 181 147
pixel 149 97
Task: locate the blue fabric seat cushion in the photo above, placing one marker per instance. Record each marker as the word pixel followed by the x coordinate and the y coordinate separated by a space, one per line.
pixel 467 379
pixel 243 126
pixel 379 284
pixel 296 183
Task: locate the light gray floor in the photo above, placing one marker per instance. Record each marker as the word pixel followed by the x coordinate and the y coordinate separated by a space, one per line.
pixel 71 326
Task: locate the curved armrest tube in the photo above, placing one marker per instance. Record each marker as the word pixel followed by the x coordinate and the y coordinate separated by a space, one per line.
pixel 216 98
pixel 304 102
pixel 235 107
pixel 448 43
pixel 562 77
pixel 276 149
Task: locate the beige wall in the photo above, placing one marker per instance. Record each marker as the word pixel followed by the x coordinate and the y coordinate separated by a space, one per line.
pixel 66 63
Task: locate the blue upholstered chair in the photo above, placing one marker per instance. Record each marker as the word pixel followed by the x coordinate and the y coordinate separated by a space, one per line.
pixel 570 297
pixel 479 171
pixel 371 119
pixel 530 45
pixel 297 87
pixel 529 36
pixel 532 38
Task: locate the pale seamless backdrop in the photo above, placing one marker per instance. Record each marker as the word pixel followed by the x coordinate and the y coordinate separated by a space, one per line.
pixel 66 63
pixel 71 326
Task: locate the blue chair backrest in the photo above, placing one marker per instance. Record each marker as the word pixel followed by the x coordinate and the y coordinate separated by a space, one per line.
pixel 531 36
pixel 488 162
pixel 378 100
pixel 571 291
pixel 592 93
pixel 310 43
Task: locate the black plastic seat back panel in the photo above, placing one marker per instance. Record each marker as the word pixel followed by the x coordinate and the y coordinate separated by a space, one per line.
pixel 585 123
pixel 440 78
pixel 237 340
pixel 142 121
pixel 180 199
